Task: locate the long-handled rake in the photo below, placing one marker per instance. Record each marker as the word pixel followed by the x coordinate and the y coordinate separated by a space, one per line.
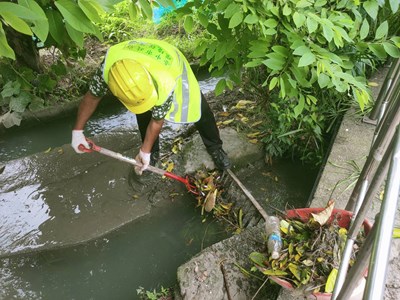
pixel 95 148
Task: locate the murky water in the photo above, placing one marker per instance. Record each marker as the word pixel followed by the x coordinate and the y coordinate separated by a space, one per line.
pixel 143 253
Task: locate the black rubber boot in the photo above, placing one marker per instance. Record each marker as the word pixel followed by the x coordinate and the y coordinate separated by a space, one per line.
pixel 220 158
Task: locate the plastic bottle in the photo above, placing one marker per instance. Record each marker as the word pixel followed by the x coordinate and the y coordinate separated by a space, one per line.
pixel 273 232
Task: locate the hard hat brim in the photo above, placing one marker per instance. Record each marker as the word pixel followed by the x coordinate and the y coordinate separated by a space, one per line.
pixel 145 106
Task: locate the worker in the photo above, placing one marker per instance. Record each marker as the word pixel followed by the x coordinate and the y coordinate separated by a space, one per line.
pixel 154 81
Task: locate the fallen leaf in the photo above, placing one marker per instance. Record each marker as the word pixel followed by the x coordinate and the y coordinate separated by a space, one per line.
pixel 295 271
pixel 253 141
pixel 48 150
pixel 224 114
pixel 227 122
pixel 308 262
pixel 210 200
pixel 243 103
pixel 256 123
pixel 175 149
pixel 254 134
pixel 330 282
pixel 396 233
pixel 170 166
pixel 271 272
pixel 324 215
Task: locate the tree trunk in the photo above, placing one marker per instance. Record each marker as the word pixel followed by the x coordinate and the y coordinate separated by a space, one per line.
pixel 26 52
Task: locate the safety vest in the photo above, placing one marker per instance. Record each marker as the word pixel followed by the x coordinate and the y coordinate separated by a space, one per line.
pixel 169 69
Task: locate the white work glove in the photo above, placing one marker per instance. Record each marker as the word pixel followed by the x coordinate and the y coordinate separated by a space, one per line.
pixel 144 159
pixel 78 138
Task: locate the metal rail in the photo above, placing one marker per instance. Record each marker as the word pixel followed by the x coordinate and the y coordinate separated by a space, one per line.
pixel 385 151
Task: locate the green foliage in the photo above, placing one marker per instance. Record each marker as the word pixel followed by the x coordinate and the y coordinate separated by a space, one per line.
pixel 22 89
pixel 63 25
pixel 306 51
pixel 122 25
pixel 153 295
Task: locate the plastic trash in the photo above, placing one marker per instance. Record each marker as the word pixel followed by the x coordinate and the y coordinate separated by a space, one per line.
pixel 273 232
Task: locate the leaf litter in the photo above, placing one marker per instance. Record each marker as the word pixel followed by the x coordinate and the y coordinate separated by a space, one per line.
pixel 311 252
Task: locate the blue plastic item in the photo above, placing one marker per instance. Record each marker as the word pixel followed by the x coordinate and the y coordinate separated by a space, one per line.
pixel 159 12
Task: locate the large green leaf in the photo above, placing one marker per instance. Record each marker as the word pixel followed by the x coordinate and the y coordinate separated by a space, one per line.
pixel 76 36
pixel 166 3
pixel 98 34
pixel 232 9
pixel 19 10
pixel 236 19
pixel 274 63
pixel 396 40
pixel 20 102
pixel 299 19
pixel 391 49
pixel 394 4
pixel 133 10
pixel 364 30
pixel 146 8
pixel 222 50
pixel 328 32
pixel 17 23
pixel 323 80
pixel 301 50
pixel 91 9
pixel 306 59
pixel 371 7
pixel 251 19
pixel 108 5
pixel 298 109
pixel 5 49
pixel 312 25
pixel 11 88
pixel 378 50
pixel 203 19
pixel 57 26
pixel 74 16
pixel 188 25
pixel 40 27
pixel 382 30
pixel 220 87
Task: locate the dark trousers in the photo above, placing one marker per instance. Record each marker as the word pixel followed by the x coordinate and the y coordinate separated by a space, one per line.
pixel 206 127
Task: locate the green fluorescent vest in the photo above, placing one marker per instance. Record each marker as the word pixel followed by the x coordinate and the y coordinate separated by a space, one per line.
pixel 171 72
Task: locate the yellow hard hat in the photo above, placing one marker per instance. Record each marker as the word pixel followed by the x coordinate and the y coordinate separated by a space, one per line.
pixel 132 84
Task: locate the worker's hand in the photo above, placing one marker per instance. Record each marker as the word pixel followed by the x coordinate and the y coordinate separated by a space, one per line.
pixel 78 138
pixel 144 159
